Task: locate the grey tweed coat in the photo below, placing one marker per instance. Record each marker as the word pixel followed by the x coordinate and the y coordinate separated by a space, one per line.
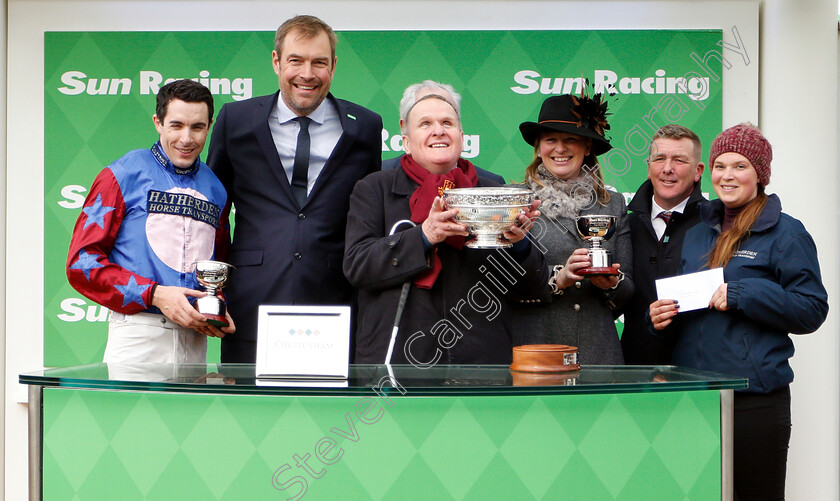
pixel 583 315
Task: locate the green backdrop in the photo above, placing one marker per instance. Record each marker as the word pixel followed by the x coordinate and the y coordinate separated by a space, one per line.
pixel 99 100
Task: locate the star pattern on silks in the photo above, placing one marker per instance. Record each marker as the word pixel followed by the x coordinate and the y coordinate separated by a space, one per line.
pixel 96 213
pixel 86 263
pixel 132 292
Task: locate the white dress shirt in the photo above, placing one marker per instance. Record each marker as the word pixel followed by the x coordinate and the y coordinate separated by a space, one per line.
pixel 657 222
pixel 324 133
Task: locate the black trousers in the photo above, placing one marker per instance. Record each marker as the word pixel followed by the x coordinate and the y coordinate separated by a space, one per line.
pixel 762 434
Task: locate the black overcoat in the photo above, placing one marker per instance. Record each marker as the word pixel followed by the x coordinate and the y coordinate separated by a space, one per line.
pixel 463 318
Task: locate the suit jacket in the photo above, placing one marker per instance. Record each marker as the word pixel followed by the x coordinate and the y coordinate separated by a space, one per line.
pixel 393 163
pixel 283 253
pixel 652 260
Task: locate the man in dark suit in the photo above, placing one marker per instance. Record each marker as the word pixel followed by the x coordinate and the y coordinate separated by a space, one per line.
pixel 661 212
pixel 423 89
pixel 289 162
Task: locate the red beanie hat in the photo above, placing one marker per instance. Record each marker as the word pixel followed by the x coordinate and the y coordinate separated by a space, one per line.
pixel 746 140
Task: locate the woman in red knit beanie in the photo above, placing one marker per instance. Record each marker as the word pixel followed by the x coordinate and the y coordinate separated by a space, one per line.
pixel 772 288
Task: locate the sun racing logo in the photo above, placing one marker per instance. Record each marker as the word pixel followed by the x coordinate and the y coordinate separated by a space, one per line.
pixel 609 82
pixel 77 82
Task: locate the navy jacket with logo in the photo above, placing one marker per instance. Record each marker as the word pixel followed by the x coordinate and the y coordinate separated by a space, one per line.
pixel 773 289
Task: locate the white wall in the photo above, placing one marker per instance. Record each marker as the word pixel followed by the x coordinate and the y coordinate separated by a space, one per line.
pixel 797 109
pixel 791 70
pixel 3 50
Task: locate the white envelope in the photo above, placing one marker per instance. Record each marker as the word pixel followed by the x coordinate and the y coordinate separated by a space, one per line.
pixel 692 291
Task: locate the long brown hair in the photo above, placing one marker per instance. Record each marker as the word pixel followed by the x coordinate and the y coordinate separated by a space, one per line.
pixel 594 172
pixel 729 241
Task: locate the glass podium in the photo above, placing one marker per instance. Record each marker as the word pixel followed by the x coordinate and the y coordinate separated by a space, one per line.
pixel 215 431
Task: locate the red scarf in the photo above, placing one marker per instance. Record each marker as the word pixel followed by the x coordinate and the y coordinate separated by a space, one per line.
pixel 433 185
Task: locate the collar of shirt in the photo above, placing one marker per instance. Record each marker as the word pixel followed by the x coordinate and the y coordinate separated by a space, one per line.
pixel 658 224
pixel 166 163
pixel 324 132
pixel 655 209
pixel 284 114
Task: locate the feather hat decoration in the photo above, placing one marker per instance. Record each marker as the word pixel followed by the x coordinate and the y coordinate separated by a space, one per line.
pixel 580 115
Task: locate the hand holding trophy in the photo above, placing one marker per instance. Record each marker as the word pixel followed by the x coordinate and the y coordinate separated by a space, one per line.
pixel 595 229
pixel 488 212
pixel 212 275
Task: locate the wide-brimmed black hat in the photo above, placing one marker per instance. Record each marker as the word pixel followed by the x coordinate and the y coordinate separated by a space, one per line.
pixel 581 115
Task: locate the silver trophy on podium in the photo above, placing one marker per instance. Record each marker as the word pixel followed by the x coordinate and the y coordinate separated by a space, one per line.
pixel 212 275
pixel 595 229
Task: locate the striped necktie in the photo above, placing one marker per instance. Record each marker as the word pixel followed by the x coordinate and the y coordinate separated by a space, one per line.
pixel 665 216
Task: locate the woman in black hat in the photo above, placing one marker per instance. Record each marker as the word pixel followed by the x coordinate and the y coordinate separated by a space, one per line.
pixel 580 309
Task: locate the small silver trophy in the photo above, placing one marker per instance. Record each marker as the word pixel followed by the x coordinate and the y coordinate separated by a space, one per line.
pixel 488 212
pixel 212 275
pixel 595 229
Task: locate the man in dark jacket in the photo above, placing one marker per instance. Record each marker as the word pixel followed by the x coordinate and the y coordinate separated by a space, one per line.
pixel 662 210
pixel 454 306
pixel 289 162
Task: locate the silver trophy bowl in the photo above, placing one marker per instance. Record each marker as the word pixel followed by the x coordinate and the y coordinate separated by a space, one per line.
pixel 595 229
pixel 488 212
pixel 212 275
